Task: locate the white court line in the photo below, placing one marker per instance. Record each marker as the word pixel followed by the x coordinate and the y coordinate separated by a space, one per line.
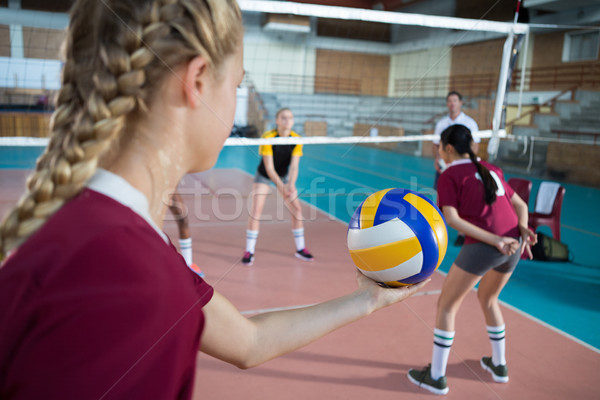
pixel 339 178
pixel 265 310
pixel 552 328
pixel 539 321
pixel 369 172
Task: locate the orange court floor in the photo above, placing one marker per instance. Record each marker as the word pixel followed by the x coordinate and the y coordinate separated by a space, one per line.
pixel 368 359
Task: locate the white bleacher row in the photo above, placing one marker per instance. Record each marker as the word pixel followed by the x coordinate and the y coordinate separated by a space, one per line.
pixel 341 112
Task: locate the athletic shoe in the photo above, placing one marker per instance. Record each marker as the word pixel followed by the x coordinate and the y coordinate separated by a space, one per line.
pixel 304 255
pixel 248 259
pixel 499 372
pixel 423 379
pixel 460 240
pixel 197 270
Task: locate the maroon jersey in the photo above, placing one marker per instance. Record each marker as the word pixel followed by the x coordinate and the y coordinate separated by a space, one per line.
pixel 461 187
pixel 97 305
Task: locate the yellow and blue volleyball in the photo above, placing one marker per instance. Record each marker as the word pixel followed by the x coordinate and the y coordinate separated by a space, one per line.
pixel 397 237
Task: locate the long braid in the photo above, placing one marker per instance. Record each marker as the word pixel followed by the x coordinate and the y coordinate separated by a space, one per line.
pixel 459 136
pixel 116 54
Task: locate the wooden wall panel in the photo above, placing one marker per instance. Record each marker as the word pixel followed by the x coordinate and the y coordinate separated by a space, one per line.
pixel 547 50
pixel 475 67
pixel 351 73
pixel 549 72
pixel 24 124
pixel 4 41
pixel 579 163
pixel 42 43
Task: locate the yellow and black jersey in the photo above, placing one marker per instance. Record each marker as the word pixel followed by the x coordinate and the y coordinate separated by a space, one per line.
pixel 282 154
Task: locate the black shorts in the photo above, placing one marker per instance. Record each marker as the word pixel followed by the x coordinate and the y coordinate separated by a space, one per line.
pixel 479 258
pixel 258 178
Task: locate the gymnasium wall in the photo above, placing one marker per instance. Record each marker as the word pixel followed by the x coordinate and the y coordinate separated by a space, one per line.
pixel 547 51
pixel 42 43
pixel 31 124
pixel 579 163
pixel 550 71
pixel 4 41
pixel 274 65
pixel 352 73
pixel 411 73
pixel 475 67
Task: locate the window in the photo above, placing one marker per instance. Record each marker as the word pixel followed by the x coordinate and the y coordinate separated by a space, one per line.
pixel 581 46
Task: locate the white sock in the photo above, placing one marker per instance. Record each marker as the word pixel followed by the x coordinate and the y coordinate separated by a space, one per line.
pixel 442 341
pixel 251 237
pixel 299 238
pixel 185 247
pixel 498 341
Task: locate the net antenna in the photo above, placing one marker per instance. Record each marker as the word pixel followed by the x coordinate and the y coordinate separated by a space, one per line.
pixel 508 62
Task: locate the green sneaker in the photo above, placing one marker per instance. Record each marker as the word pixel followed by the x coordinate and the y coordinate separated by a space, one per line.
pixel 423 379
pixel 499 372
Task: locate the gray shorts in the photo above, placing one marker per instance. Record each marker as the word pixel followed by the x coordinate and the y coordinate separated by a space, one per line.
pixel 479 258
pixel 258 178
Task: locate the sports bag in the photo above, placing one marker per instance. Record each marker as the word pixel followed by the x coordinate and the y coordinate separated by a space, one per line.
pixel 549 249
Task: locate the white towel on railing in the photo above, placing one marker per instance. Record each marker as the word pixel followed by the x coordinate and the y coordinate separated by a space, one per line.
pixel 545 197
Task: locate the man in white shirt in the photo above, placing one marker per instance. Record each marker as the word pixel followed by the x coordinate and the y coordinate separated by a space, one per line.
pixel 455 116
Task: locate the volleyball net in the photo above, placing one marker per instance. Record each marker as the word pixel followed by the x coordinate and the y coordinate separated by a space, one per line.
pixel 357 76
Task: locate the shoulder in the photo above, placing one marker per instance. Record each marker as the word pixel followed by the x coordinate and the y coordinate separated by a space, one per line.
pixel 74 230
pixel 467 119
pixel 445 120
pixel 294 134
pixel 492 167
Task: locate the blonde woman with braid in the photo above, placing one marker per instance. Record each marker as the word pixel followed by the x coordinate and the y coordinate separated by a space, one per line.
pixel 95 300
pixel 476 200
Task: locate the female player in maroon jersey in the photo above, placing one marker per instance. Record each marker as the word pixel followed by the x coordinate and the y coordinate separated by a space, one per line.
pixel 95 300
pixel 475 200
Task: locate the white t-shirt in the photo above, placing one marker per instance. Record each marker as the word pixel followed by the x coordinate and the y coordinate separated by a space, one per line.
pixel 462 119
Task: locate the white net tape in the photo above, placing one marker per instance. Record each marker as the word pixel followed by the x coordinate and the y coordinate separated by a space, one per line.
pixel 237 141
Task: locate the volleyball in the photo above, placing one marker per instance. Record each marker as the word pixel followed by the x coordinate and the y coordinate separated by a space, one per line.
pixel 397 237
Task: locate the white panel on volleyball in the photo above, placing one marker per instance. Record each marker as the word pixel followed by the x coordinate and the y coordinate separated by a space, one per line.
pixel 408 268
pixel 391 231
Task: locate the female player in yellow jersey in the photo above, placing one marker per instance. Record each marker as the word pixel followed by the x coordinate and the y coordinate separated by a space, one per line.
pixel 279 164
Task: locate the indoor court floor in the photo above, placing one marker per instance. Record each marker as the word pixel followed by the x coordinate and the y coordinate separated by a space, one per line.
pixel 551 309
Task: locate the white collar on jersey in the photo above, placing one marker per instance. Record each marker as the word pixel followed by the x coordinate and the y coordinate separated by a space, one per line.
pixel 118 189
pixel 461 161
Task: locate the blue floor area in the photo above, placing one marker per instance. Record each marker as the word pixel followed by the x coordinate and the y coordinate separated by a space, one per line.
pixel 337 178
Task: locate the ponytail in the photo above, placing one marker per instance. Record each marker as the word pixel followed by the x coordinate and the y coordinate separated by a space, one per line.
pixel 459 136
pixel 489 183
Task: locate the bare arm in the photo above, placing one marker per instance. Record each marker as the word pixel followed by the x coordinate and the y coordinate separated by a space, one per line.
pixel 506 245
pixel 270 169
pixel 436 157
pixel 529 237
pixel 292 177
pixel 247 342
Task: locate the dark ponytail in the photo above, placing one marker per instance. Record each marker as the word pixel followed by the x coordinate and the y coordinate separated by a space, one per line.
pixel 459 136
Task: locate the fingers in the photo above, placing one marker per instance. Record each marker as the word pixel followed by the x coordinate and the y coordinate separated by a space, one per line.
pixel 533 238
pixel 529 253
pixel 408 291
